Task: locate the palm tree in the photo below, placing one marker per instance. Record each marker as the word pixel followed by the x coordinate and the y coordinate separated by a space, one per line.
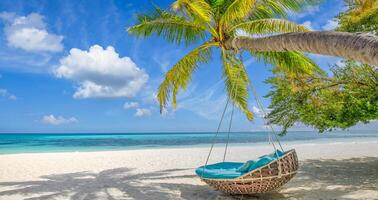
pixel 361 15
pixel 271 38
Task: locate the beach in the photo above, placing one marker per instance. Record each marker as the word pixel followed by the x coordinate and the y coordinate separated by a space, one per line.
pixel 328 170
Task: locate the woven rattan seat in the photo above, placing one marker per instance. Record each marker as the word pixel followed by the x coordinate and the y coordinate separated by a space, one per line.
pixel 264 179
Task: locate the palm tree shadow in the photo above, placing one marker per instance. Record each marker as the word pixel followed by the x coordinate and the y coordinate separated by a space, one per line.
pixel 335 179
pixel 119 183
pixel 124 183
pixel 88 185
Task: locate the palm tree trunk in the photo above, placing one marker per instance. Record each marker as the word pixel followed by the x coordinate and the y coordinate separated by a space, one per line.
pixel 353 46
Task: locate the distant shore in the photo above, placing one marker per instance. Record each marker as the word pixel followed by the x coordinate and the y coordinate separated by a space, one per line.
pixel 328 170
pixel 92 142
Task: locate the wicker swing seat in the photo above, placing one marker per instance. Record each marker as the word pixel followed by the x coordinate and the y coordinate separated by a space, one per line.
pixel 267 173
pixel 261 180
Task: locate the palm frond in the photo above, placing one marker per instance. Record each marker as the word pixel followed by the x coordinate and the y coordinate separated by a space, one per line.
pixel 198 9
pixel 179 76
pixel 216 3
pixel 279 8
pixel 267 26
pixel 291 62
pixel 236 81
pixel 238 9
pixel 172 27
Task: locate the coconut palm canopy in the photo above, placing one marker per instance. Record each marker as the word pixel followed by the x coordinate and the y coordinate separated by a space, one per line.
pixel 361 15
pixel 212 23
pixel 347 97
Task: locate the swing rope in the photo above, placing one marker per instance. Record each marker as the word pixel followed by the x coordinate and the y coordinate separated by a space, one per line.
pixel 216 134
pixel 261 107
pixel 228 134
pixel 218 129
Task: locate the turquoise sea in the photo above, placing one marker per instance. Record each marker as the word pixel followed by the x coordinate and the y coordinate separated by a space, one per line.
pixel 55 142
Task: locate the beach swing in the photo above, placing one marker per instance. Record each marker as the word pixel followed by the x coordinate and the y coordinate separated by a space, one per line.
pixel 267 173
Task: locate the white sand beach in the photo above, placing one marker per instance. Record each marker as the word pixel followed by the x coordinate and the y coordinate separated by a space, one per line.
pixel 332 170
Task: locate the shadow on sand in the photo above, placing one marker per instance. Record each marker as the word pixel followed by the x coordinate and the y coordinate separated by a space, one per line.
pixel 317 179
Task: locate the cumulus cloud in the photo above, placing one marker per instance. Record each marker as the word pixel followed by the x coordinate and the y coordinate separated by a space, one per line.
pixel 6 94
pixel 30 33
pixel 101 73
pixel 330 25
pixel 129 105
pixel 141 112
pixel 59 120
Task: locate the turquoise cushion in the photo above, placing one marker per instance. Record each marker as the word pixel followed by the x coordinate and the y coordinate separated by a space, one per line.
pixel 278 152
pixel 245 167
pixel 261 162
pixel 231 170
pixel 223 170
pixel 274 154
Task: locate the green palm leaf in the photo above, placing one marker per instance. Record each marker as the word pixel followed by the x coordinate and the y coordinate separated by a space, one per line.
pixel 279 8
pixel 217 21
pixel 291 62
pixel 267 26
pixel 236 81
pixel 172 27
pixel 180 74
pixel 238 9
pixel 199 9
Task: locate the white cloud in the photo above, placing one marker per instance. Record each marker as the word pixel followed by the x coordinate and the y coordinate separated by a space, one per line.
pixel 101 73
pixel 141 112
pixel 6 94
pixel 256 110
pixel 59 120
pixel 308 11
pixel 129 105
pixel 260 113
pixel 308 24
pixel 30 34
pixel 330 25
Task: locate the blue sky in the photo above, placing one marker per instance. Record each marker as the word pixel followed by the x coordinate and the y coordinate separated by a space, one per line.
pixel 70 66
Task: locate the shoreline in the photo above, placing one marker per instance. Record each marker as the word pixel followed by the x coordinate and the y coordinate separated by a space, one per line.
pixel 172 132
pixel 330 170
pixel 204 145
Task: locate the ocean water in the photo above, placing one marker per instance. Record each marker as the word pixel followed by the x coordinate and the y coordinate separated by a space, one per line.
pixel 30 143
